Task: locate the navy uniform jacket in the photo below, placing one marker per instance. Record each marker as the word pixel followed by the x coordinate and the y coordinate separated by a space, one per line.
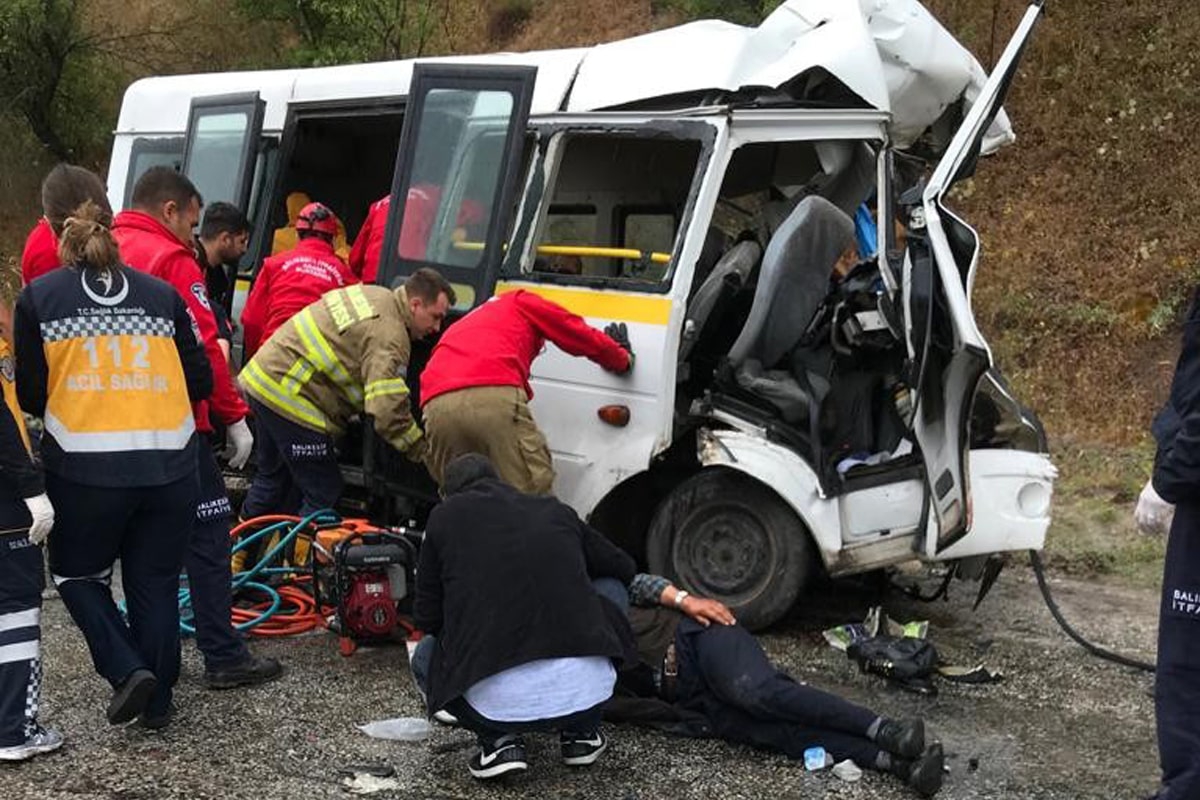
pixel 111 362
pixel 1176 429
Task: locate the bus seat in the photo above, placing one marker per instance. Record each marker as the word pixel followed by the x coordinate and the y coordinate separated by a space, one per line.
pixel 793 280
pixel 792 283
pixel 731 273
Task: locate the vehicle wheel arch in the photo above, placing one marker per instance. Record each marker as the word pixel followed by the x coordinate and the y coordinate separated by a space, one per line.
pixel 782 471
pixel 624 513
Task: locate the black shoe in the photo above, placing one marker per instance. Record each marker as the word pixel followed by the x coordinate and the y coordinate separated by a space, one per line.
pixel 250 672
pixel 581 749
pixel 504 755
pixel 902 737
pixel 925 774
pixel 156 721
pixel 130 698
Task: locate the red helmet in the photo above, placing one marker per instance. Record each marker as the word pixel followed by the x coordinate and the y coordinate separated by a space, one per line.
pixel 317 217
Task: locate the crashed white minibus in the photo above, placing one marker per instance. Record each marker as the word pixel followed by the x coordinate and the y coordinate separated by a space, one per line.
pixel 777 422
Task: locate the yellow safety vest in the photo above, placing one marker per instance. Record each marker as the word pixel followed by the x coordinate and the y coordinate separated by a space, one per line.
pixel 8 374
pixel 115 380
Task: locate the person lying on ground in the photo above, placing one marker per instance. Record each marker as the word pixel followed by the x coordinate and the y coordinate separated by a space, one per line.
pixel 702 674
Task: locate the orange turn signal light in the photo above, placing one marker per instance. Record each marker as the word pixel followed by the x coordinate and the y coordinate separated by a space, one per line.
pixel 617 416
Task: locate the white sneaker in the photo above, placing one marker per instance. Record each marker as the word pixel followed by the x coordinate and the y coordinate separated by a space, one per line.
pixel 445 717
pixel 44 741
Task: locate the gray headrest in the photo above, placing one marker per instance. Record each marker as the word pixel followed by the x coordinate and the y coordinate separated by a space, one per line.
pixel 793 280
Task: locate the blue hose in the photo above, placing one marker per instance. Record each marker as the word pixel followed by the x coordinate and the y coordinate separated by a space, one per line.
pixel 246 578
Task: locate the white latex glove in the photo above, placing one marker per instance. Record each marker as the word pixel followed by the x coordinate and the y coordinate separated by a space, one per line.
pixel 1153 514
pixel 43 517
pixel 240 443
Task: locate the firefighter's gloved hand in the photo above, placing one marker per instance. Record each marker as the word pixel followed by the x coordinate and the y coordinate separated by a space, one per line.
pixel 43 517
pixel 1153 514
pixel 241 441
pixel 619 333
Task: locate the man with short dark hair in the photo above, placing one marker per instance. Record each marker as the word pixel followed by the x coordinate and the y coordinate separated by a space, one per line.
pixel 289 281
pixel 344 355
pixel 156 237
pixel 223 239
pixel 224 234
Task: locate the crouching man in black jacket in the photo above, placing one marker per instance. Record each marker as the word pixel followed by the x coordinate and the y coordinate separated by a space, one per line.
pixel 523 641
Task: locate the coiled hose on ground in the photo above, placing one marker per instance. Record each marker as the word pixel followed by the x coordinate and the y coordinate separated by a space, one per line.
pixel 288 607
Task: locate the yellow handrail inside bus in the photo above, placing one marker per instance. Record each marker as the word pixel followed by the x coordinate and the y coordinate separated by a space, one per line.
pixel 582 250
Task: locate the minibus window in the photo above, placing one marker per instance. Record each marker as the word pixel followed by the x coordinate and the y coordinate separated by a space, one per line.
pixel 615 206
pixel 459 156
pixel 217 154
pixel 455 186
pixel 648 231
pixel 147 152
pixel 222 143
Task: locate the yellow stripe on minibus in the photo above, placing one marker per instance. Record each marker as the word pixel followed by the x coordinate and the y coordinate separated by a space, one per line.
pixel 620 307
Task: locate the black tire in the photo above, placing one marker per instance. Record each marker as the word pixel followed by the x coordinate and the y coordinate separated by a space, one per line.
pixel 724 535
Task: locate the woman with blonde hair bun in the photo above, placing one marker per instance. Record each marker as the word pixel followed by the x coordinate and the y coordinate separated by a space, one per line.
pixel 108 357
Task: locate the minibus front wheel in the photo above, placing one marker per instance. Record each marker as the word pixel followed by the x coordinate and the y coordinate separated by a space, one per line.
pixel 724 535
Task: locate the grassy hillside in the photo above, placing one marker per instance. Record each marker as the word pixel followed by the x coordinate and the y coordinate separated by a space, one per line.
pixel 1090 251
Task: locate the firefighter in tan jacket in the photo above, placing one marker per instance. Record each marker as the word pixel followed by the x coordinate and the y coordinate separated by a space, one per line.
pixel 345 354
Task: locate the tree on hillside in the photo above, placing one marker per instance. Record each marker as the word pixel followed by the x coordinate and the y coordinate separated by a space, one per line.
pixel 61 72
pixel 37 39
pixel 342 31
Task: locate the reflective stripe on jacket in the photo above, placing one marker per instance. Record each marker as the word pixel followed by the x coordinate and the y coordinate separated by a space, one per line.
pixel 345 354
pixel 111 362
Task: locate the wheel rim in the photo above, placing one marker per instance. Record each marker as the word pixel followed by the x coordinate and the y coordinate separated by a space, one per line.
pixel 725 552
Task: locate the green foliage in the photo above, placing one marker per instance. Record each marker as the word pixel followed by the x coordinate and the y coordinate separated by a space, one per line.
pixel 743 12
pixel 62 73
pixel 345 31
pixel 1089 315
pixel 36 42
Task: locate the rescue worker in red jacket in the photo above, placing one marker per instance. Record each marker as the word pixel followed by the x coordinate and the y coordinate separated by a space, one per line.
pixel 41 248
pixel 368 245
pixel 40 254
pixel 420 213
pixel 288 282
pixel 475 389
pixel 156 237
